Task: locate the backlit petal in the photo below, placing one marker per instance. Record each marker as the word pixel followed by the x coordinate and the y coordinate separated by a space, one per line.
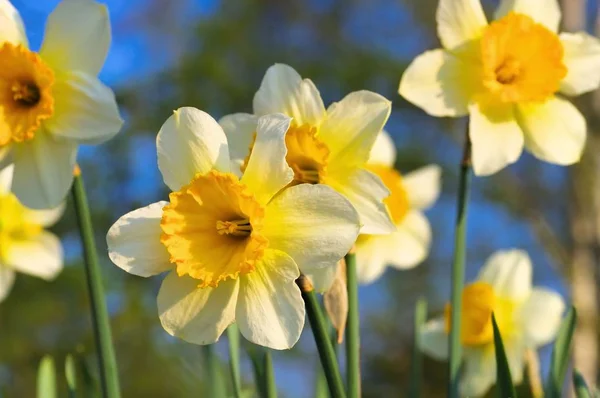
pixel 43 170
pixel 6 176
pixel 321 278
pixel 366 192
pixel 41 256
pixel 77 36
pixel 479 371
pixel 11 25
pixel 196 315
pixel 371 258
pixel 423 186
pixel 134 242
pixel 439 83
pixel 46 218
pixel 352 125
pixel 383 151
pixel 582 59
pixel 313 224
pixel 239 129
pixel 283 91
pixel 7 279
pixel 509 272
pixel 496 139
pixel 434 339
pixel 409 245
pixel 85 110
pixel 555 131
pixel 270 309
pixel 459 21
pixel 541 316
pixel 546 12
pixel 267 171
pixel 190 142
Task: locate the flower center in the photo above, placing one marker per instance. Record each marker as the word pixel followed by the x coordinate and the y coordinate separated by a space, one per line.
pixel 478 302
pixel 307 154
pixel 14 224
pixel 212 227
pixel 25 93
pixel 522 60
pixel 397 202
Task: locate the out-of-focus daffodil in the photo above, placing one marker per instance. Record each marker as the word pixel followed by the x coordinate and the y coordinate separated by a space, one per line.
pixel 325 146
pixel 24 245
pixel 527 318
pixel 410 194
pixel 505 75
pixel 52 101
pixel 234 246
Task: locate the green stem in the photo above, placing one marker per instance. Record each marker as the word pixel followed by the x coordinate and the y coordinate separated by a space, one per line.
pixel 216 385
pixel 322 339
pixel 458 270
pixel 416 364
pixel 109 377
pixel 352 329
pixel 233 336
pixel 270 386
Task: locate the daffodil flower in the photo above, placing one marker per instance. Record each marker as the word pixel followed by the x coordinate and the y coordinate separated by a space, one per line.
pixel 24 245
pixel 233 246
pixel 527 318
pixel 52 101
pixel 325 146
pixel 410 195
pixel 505 75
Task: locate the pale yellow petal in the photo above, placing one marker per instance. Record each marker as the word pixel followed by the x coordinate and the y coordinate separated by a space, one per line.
pixel 434 339
pixel 239 129
pixel 371 257
pixel 7 279
pixel 509 273
pixel 12 29
pixel 440 83
pixel 6 177
pixel 541 316
pixel 459 22
pixel 383 151
pixel 267 171
pixel 582 59
pixel 496 138
pixel 479 371
pixel 423 186
pixel 41 256
pixel 546 12
pixel 555 131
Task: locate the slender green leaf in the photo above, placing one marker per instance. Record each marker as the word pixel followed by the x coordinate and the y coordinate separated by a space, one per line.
pixel 71 375
pixel 581 388
pixel 233 336
pixel 503 378
pixel 352 329
pixel 458 270
pixel 214 376
pixel 560 355
pixel 46 380
pixel 416 365
pixel 271 388
pixel 256 354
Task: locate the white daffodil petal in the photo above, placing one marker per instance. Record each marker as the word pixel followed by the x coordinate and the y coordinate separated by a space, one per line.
pixel 459 21
pixel 313 224
pixel 479 371
pixel 440 83
pixel 582 59
pixel 239 129
pixel 509 272
pixel 196 315
pixel 366 192
pixel 541 316
pixel 409 245
pixel 7 278
pixel 85 110
pixel 190 142
pixel 43 170
pixel 383 151
pixel 555 131
pixel 134 242
pixel 371 260
pixel 6 176
pixel 12 29
pixel 434 339
pixel 77 36
pixel 270 309
pixel 423 186
pixel 321 278
pixel 267 171
pixel 546 12
pixel 496 139
pixel 352 125
pixel 41 256
pixel 282 90
pixel 46 218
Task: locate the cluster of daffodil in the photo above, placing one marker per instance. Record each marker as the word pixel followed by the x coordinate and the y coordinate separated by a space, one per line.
pixel 261 201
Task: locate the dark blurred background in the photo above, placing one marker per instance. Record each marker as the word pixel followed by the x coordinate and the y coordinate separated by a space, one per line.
pixel 212 54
